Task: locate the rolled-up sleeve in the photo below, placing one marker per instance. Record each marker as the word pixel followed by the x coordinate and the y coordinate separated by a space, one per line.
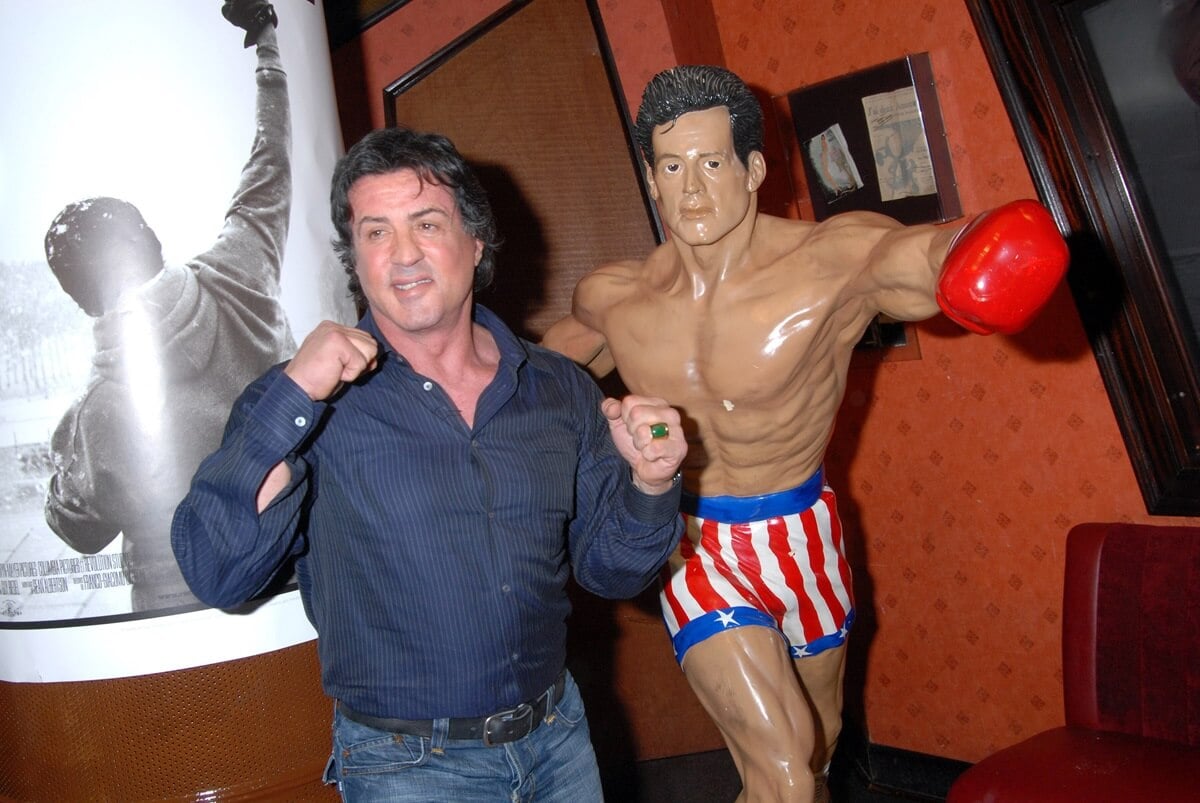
pixel 226 550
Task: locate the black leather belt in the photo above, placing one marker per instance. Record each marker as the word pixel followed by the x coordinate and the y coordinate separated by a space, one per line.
pixel 499 728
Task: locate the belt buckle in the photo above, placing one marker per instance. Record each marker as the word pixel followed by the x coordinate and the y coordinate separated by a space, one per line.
pixel 506 724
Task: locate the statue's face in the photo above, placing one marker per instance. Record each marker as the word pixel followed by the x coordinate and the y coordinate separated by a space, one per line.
pixel 703 190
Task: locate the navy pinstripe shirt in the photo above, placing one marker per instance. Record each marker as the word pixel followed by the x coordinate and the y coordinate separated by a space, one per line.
pixel 432 558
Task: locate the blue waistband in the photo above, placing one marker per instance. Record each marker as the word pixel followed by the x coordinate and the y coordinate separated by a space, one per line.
pixel 739 509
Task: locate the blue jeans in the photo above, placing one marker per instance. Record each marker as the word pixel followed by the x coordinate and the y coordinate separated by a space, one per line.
pixel 554 763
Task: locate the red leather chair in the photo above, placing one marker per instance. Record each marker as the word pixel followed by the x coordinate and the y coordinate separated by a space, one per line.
pixel 1131 679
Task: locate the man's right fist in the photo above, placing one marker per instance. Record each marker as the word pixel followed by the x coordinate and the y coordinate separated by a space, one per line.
pixel 251 16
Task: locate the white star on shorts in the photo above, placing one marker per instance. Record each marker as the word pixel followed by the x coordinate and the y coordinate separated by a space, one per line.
pixel 726 618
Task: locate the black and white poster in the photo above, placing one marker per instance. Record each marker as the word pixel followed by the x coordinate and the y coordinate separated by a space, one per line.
pixel 164 175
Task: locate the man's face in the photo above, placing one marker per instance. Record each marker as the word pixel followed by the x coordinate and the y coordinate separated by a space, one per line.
pixel 703 190
pixel 414 259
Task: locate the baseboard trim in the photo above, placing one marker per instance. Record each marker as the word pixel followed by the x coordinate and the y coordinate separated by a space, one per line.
pixel 890 769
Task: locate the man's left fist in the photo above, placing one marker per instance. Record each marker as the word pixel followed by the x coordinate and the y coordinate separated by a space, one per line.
pixel 1002 268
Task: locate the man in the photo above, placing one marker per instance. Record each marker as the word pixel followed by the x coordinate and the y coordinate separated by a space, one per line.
pixel 747 322
pixel 175 345
pixel 436 479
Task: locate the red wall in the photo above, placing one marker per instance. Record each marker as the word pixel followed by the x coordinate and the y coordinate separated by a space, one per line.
pixel 959 473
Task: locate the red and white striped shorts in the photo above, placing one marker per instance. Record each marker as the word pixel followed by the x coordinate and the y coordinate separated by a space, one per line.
pixel 786 570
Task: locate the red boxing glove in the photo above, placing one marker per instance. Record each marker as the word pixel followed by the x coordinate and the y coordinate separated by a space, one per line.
pixel 1001 269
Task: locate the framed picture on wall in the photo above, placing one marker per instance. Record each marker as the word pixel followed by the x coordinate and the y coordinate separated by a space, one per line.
pixel 873 140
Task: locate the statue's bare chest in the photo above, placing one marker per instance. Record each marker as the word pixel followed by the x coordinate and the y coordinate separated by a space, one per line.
pixel 739 350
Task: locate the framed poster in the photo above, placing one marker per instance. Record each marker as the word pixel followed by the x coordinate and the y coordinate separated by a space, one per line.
pixel 874 140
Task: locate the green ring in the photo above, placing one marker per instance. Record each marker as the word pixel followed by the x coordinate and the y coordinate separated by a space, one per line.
pixel 659 430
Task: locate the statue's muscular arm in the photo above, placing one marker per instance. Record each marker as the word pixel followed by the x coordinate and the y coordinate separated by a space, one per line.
pixel 895 267
pixel 580 335
pixel 582 344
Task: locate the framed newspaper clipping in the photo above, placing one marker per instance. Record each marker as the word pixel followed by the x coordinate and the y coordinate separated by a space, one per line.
pixel 874 140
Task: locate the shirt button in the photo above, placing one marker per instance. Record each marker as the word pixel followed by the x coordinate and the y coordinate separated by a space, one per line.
pixel 506 588
pixel 428 385
pixel 300 421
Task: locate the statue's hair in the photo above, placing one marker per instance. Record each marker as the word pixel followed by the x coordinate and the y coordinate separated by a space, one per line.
pixel 692 88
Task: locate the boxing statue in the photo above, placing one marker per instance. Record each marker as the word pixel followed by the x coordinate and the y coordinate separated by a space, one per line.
pixel 746 322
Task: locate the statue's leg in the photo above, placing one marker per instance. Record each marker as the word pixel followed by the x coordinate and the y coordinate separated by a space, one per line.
pixel 745 679
pixel 821 677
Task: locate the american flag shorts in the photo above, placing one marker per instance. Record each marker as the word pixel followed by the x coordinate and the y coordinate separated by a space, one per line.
pixel 776 560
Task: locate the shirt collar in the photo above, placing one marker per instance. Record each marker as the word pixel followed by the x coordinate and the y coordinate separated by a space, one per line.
pixel 513 352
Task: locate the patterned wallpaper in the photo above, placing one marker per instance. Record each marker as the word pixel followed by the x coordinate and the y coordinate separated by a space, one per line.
pixel 959 473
